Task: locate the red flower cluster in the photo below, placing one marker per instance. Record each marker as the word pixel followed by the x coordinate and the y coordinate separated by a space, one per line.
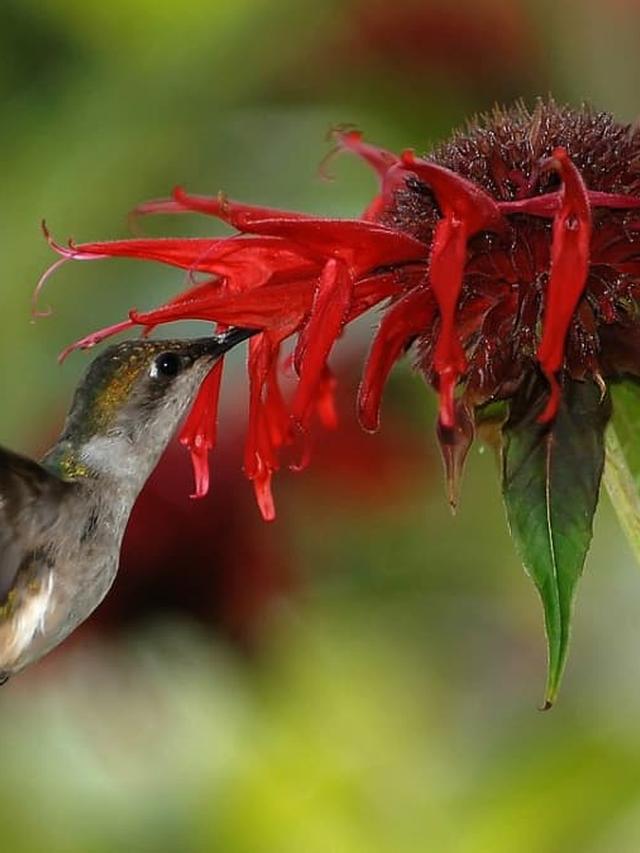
pixel 508 250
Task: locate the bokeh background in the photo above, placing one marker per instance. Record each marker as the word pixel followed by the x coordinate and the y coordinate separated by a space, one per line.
pixel 363 674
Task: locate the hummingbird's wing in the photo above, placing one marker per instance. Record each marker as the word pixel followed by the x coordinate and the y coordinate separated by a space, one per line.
pixel 30 500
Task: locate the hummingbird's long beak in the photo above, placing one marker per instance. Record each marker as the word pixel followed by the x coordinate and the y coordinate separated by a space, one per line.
pixel 235 336
pixel 218 345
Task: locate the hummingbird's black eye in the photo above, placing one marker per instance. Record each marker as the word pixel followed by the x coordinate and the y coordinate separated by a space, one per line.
pixel 166 364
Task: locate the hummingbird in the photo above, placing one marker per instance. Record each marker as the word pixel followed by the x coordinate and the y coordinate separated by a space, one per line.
pixel 62 519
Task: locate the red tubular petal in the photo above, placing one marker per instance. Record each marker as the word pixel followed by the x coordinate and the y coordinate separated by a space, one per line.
pixel 276 306
pixel 198 434
pixel 279 422
pixel 569 270
pixel 383 162
pixel 548 204
pixel 447 266
pixel 466 209
pixel 447 380
pixel 395 178
pixel 73 251
pixel 232 212
pixel 379 159
pixel 326 399
pixel 328 314
pixel 258 366
pixel 553 402
pixel 407 318
pixel 96 337
pixel 374 209
pixel 225 256
pixel 369 291
pixel 457 196
pixel 260 458
pixel 199 453
pixel 612 200
pixel 263 493
pixel 539 205
pixel 158 205
pixel 363 245
pixel 185 253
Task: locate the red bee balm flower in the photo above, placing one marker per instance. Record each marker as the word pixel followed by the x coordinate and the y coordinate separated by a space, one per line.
pixel 507 258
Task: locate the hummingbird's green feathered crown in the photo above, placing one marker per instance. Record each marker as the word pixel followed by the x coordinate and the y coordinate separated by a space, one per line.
pixel 109 383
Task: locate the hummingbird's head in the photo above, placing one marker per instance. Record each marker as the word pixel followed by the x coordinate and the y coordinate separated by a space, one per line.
pixel 131 399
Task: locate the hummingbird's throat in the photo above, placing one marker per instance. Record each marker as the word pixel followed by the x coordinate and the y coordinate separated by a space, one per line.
pixel 66 462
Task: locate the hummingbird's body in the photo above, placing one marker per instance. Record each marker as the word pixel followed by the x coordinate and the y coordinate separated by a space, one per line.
pixel 62 521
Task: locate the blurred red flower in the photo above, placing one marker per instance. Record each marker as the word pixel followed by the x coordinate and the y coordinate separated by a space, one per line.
pixel 485 44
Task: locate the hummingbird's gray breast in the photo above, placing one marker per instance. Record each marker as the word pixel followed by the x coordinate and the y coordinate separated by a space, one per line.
pixel 59 551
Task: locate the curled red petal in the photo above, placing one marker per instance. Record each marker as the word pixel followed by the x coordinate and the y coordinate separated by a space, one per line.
pixel 406 318
pixel 327 318
pixel 569 271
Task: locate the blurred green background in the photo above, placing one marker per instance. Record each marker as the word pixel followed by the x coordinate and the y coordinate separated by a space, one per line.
pixel 363 674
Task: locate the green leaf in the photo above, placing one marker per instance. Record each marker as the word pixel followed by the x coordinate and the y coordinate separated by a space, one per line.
pixel 622 468
pixel 551 478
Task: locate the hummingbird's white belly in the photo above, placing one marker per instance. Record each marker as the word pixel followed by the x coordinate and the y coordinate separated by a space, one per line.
pixel 28 621
pixel 48 613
